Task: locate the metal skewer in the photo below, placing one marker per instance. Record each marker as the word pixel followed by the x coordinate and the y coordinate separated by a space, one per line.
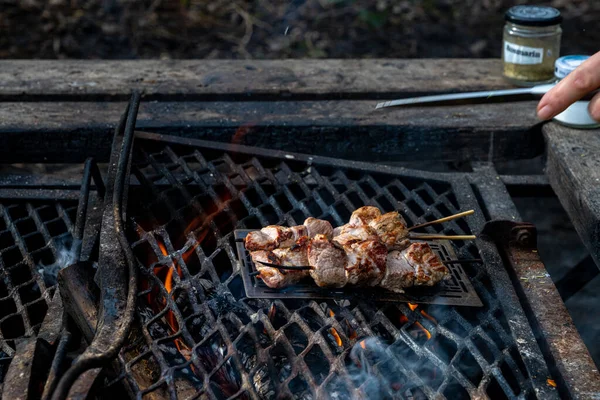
pixel 307 267
pixel 445 219
pixel 288 267
pixel 442 237
pixel 464 261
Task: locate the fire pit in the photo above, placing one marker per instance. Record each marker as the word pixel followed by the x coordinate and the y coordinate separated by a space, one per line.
pixel 200 332
pixel 152 303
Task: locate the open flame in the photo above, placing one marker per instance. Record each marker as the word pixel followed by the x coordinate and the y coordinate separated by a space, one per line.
pixel 336 336
pixel 412 306
pixel 403 319
pixel 331 313
pixel 429 317
pixel 422 328
pixel 551 382
pixel 170 318
pixel 272 312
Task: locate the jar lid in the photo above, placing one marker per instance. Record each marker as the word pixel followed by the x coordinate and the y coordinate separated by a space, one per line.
pixel 533 15
pixel 563 66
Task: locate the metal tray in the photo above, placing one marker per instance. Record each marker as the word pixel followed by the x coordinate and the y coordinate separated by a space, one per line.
pixel 456 291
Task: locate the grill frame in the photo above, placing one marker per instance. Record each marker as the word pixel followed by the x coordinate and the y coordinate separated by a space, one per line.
pixel 465 196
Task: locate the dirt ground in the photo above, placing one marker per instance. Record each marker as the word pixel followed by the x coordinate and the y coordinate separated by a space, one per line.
pixel 127 29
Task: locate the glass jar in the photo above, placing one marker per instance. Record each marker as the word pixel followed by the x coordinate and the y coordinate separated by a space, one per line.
pixel 577 115
pixel 531 44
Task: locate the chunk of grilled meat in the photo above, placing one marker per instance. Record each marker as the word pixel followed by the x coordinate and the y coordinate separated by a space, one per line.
pixel 273 236
pixel 328 261
pixel 296 255
pixel 316 227
pixel 391 230
pixel 365 262
pixel 353 234
pixel 399 274
pixel 429 269
pixel 417 265
pixel 273 277
pixel 364 215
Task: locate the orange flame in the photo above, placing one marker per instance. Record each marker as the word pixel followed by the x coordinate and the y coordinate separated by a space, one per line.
pixel 429 317
pixel 412 306
pixel 403 319
pixel 551 382
pixel 363 344
pixel 169 280
pixel 331 313
pixel 170 318
pixel 423 329
pixel 163 248
pixel 272 312
pixel 270 315
pixel 336 336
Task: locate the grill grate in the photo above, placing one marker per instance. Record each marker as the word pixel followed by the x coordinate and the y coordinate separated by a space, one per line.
pixel 35 239
pixel 456 291
pixel 199 335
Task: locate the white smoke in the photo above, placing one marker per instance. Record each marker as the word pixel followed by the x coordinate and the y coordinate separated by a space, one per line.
pixel 374 371
pixel 66 254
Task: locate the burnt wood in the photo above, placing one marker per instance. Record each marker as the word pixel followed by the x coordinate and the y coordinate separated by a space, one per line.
pixel 573 169
pixel 246 79
pixel 60 131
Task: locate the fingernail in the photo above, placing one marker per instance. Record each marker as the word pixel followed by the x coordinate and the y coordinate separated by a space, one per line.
pixel 545 112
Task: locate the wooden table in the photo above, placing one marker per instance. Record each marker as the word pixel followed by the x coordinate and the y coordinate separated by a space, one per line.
pixel 323 107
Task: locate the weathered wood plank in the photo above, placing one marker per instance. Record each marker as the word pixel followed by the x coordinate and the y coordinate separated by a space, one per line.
pixel 347 129
pixel 573 169
pixel 228 79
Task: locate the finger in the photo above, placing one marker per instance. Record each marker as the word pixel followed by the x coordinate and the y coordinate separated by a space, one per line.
pixel 577 84
pixel 594 107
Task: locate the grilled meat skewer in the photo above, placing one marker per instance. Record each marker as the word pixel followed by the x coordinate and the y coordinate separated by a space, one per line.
pixel 274 236
pixel 328 261
pixel 364 263
pixel 368 222
pixel 418 265
pixel 273 277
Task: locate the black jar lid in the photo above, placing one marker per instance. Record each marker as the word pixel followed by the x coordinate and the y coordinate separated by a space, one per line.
pixel 533 15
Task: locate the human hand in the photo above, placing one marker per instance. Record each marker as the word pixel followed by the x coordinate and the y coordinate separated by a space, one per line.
pixel 580 82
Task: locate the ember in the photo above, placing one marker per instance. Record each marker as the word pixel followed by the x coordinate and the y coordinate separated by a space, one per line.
pixel 412 306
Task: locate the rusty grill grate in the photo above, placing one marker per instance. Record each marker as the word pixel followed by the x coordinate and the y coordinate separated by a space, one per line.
pixel 197 334
pixel 35 239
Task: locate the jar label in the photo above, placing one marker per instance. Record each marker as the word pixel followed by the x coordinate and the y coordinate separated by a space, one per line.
pixel 517 54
